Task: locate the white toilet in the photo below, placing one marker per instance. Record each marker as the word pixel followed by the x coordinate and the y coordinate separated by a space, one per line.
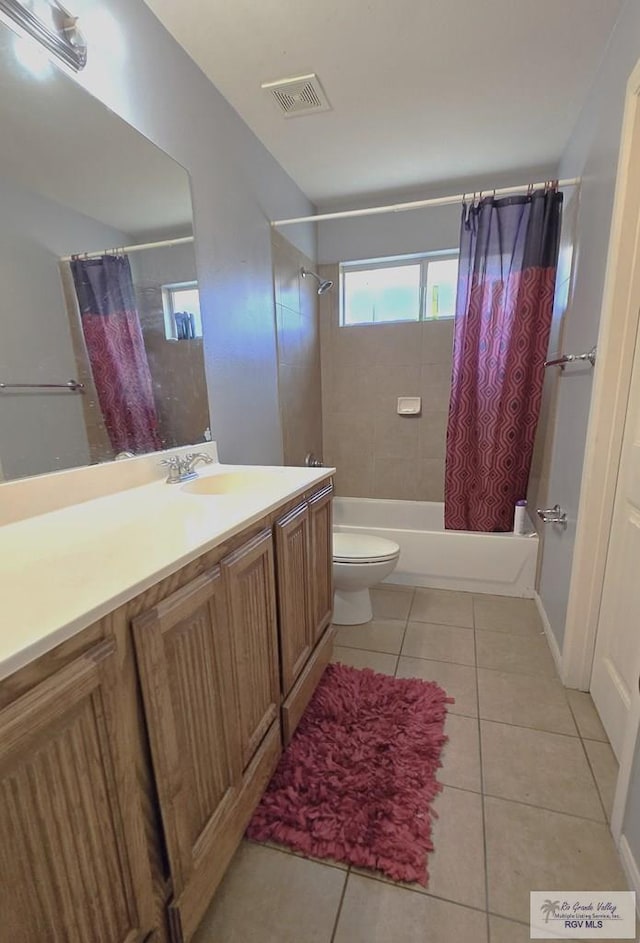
pixel 359 562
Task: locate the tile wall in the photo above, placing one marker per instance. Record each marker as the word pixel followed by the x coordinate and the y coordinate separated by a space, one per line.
pixel 377 453
pixel 298 343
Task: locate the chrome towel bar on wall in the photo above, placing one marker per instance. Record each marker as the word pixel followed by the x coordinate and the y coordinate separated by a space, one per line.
pixel 564 359
pixel 73 385
pixel 554 515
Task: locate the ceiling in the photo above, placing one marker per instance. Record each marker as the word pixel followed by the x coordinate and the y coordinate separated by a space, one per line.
pixel 64 144
pixel 423 91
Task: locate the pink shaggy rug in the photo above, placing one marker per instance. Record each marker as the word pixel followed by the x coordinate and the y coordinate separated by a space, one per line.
pixel 356 782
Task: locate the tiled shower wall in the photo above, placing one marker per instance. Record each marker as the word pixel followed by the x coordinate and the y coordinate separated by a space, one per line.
pixel 298 343
pixel 378 453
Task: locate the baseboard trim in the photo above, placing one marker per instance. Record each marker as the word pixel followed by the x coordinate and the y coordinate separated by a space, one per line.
pixel 548 631
pixel 631 869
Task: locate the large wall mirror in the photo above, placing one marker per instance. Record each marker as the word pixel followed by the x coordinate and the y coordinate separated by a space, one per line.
pixel 77 184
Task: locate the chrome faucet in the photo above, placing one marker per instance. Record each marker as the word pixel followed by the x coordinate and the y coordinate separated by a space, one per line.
pixel 182 467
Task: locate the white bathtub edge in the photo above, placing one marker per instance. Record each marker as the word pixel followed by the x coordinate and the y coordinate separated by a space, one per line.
pixel 492 588
pixel 432 557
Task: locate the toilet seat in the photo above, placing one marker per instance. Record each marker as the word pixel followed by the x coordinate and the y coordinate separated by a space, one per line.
pixel 363 548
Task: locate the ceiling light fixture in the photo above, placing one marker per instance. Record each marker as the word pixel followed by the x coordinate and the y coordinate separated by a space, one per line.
pixel 52 26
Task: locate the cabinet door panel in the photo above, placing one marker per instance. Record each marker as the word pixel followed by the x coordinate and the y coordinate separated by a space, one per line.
pixel 321 558
pixel 187 676
pixel 296 632
pixel 250 579
pixel 65 869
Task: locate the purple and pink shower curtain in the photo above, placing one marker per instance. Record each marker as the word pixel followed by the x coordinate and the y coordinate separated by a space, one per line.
pixel 508 259
pixel 117 354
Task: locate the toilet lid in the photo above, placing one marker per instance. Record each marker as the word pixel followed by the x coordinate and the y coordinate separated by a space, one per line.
pixel 363 548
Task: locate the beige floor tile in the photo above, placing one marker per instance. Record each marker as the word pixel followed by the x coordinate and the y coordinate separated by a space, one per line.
pixel 380 635
pixel 267 897
pixel 461 755
pixel 441 607
pixel 503 652
pixel 390 604
pixel 506 931
pixel 456 864
pixel 374 912
pixel 356 658
pixel 329 862
pixel 439 643
pixel 524 700
pixel 395 587
pixel 459 681
pixel 586 716
pixel 605 769
pixel 533 849
pixel 541 768
pixel 506 614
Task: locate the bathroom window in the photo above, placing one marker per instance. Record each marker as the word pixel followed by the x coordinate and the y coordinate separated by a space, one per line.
pixel 181 306
pixel 404 288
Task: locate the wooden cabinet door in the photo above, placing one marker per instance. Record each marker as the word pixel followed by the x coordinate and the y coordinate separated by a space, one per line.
pixel 184 652
pixel 66 869
pixel 296 631
pixel 321 559
pixel 250 579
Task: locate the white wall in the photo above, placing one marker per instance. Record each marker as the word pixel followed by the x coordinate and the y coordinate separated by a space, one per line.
pixel 40 432
pixel 373 237
pixel 438 227
pixel 592 154
pixel 140 72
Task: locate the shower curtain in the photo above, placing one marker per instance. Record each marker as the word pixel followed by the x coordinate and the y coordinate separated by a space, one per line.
pixel 508 259
pixel 115 346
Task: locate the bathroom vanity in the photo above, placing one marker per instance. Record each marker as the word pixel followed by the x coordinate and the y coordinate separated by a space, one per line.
pixel 147 697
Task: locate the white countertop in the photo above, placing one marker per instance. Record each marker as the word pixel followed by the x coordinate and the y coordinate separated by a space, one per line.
pixel 61 571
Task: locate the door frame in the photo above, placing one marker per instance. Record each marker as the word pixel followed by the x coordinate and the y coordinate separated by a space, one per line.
pixel 616 342
pixel 612 381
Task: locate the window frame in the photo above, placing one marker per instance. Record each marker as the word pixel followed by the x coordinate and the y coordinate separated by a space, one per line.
pixel 366 265
pixel 169 310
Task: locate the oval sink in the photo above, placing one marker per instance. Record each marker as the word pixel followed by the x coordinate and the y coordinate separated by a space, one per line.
pixel 227 482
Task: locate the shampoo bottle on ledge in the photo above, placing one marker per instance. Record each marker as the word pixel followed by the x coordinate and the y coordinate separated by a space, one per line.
pixel 520 519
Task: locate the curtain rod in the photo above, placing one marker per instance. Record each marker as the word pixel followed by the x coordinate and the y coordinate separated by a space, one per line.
pixel 419 204
pixel 181 241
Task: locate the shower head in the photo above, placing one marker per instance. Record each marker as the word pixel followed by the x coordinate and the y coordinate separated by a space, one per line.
pixel 324 284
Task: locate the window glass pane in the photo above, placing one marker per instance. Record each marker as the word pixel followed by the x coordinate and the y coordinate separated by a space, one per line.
pixel 390 293
pixel 186 299
pixel 185 303
pixel 181 305
pixel 440 294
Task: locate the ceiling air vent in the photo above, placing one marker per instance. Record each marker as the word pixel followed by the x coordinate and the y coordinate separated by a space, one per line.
pixel 300 95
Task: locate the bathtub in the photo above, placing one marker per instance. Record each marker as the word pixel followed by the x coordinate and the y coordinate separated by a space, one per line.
pixel 443 559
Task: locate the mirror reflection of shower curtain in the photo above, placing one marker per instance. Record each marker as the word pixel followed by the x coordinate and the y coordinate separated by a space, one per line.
pixel 116 352
pixel 100 449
